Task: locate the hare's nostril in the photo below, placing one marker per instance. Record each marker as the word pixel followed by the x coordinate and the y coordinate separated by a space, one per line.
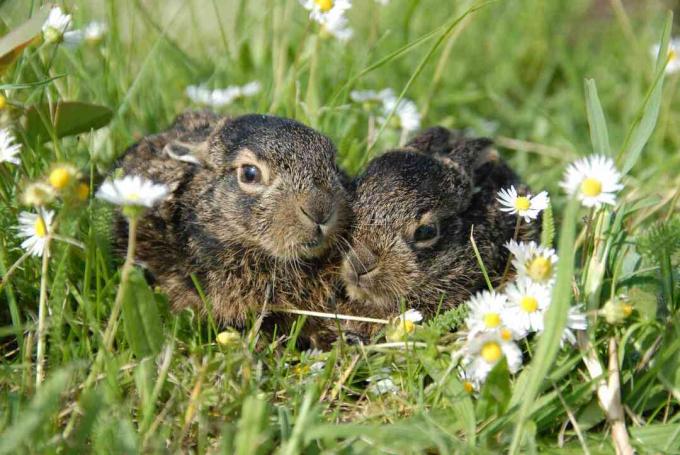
pixel 317 215
pixel 362 266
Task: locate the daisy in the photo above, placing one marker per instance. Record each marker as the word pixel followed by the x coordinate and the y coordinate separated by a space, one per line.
pixel 62 176
pixel 94 32
pixel 485 350
pixel 132 190
pixel 406 112
pixel 8 149
pixel 576 320
pixel 470 384
pixel 221 97
pixel 330 14
pixel 673 55
pixel 371 96
pixel 533 261
pixel 527 206
pixel 403 325
pixel 56 25
pixel 594 180
pixel 488 312
pixel 34 228
pixel 529 301
pixel 38 194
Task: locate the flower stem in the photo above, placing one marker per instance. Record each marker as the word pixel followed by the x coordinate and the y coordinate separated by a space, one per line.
pixel 111 327
pixel 42 310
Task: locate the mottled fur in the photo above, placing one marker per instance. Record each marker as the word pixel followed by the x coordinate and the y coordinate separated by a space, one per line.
pixel 438 177
pixel 277 246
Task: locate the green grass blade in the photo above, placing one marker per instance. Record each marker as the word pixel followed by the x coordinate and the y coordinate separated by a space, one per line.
pixel 645 121
pixel 596 121
pixel 556 319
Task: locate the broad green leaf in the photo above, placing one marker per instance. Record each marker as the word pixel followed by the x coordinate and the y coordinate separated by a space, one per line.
pixel 43 405
pixel 556 320
pixel 596 121
pixel 143 327
pixel 662 438
pixel 645 121
pixel 15 41
pixel 252 435
pixel 64 119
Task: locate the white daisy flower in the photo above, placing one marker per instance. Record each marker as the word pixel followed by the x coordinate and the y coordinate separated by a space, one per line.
pixel 371 96
pixel 488 312
pixel 594 180
pixel 406 113
pixel 222 97
pixel 673 55
pixel 576 320
pixel 94 32
pixel 470 384
pixel 56 25
pixel 403 325
pixel 485 350
pixel 533 261
pixel 527 206
pixel 8 149
pixel 330 14
pixel 382 386
pixel 529 301
pixel 34 228
pixel 132 190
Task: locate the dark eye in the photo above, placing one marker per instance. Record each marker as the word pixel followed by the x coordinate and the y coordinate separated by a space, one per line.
pixel 250 174
pixel 425 232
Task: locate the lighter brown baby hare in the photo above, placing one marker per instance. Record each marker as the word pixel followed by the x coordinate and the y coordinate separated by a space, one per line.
pixel 414 211
pixel 256 211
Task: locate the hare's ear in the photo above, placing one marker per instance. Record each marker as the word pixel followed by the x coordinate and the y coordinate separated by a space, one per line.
pixel 432 141
pixel 470 153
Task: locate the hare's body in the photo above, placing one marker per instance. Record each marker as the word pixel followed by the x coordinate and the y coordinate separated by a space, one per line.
pixel 256 210
pixel 415 211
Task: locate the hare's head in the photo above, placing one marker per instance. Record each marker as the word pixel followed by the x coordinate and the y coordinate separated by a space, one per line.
pixel 274 187
pixel 410 235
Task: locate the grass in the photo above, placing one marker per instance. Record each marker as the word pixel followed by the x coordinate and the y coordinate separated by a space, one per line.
pixel 549 81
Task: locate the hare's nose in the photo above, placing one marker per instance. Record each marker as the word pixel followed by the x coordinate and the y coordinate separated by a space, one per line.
pixel 362 263
pixel 316 214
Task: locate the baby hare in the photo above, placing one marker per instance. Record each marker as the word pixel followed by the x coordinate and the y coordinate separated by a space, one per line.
pixel 256 211
pixel 415 209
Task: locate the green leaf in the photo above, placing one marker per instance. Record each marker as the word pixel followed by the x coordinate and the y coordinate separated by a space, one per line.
pixel 43 405
pixel 659 437
pixel 495 394
pixel 15 41
pixel 64 119
pixel 143 328
pixel 30 84
pixel 548 227
pixel 645 120
pixel 596 121
pixel 252 435
pixel 556 319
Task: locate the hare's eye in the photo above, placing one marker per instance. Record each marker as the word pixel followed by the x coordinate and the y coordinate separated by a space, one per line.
pixel 425 232
pixel 249 174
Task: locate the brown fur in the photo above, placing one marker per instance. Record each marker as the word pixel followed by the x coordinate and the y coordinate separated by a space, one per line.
pixel 277 244
pixel 439 176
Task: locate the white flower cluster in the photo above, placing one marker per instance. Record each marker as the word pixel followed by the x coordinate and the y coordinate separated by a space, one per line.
pixel 406 112
pixel 330 14
pixel 498 320
pixel 200 94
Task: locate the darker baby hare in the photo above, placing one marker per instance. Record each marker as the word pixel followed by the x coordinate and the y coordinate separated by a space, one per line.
pixel 256 210
pixel 414 210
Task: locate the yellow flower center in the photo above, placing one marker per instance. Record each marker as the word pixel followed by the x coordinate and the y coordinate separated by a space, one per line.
pixel 82 191
pixel 539 268
pixel 491 352
pixel 60 178
pixel 672 55
pixel 492 320
pixel 627 309
pixel 3 102
pixel 506 334
pixel 528 304
pixel 409 326
pixel 227 337
pixel 134 197
pixel 522 203
pixel 39 227
pixel 468 387
pixel 591 187
pixel 324 5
